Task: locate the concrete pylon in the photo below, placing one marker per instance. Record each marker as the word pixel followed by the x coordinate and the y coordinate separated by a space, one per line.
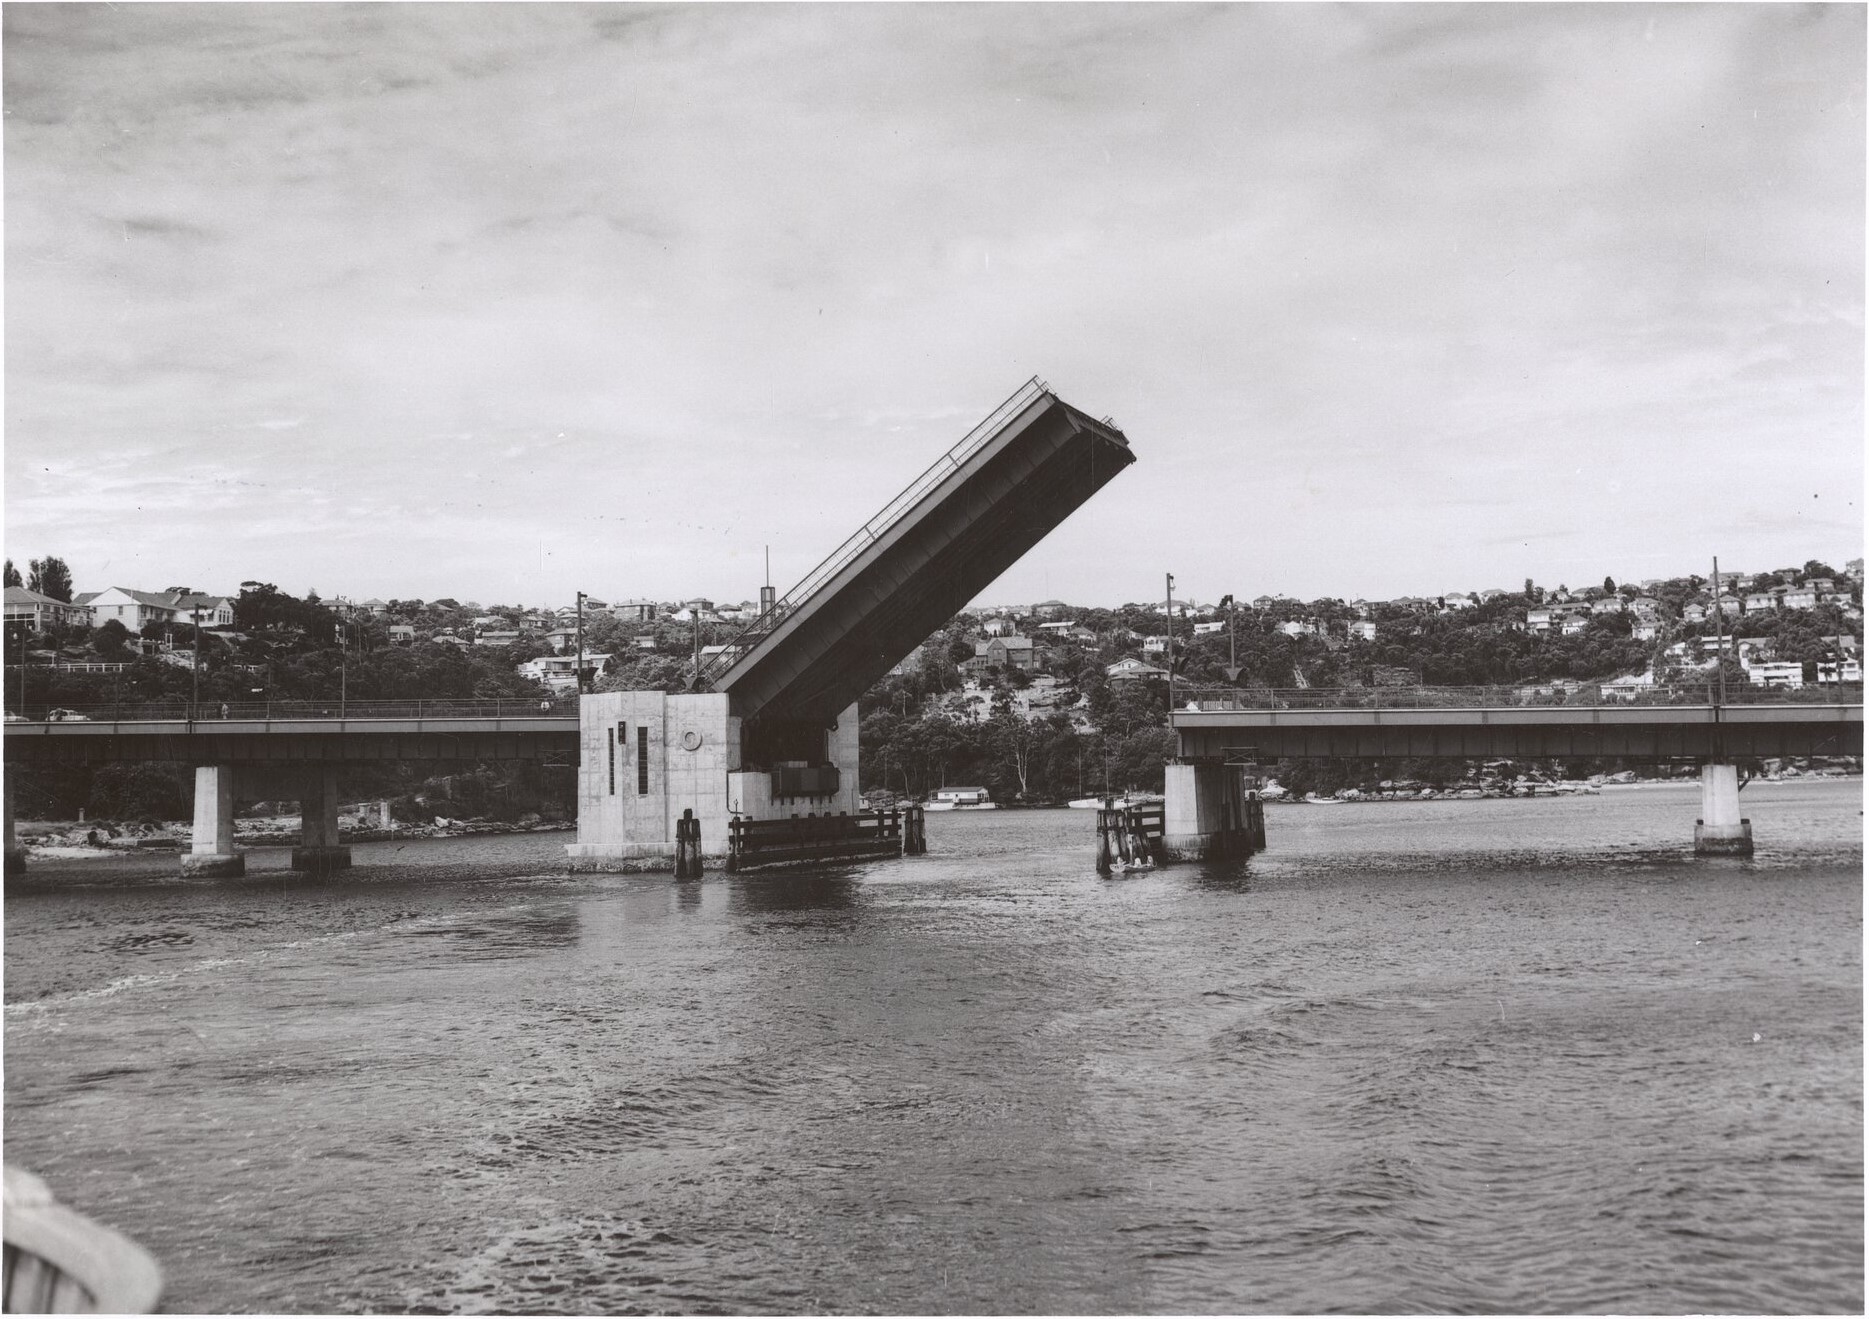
pixel 319 851
pixel 15 854
pixel 211 852
pixel 1203 812
pixel 1720 831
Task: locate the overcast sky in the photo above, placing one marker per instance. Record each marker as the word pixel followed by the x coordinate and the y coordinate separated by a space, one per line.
pixel 503 302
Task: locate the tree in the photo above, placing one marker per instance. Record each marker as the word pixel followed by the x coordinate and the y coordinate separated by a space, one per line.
pixel 110 638
pixel 12 575
pixel 1609 586
pixel 50 577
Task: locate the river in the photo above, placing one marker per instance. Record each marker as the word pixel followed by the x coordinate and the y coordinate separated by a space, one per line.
pixel 1451 1056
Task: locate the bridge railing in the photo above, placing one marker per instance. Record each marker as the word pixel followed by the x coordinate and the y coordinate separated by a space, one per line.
pixel 1194 699
pixel 211 712
pixel 838 559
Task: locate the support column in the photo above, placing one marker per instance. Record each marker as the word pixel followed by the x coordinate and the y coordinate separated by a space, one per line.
pixel 15 854
pixel 1203 815
pixel 211 849
pixel 319 851
pixel 1720 831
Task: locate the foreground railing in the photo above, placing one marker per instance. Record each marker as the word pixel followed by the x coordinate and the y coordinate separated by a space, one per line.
pixel 1189 699
pixel 838 559
pixel 213 712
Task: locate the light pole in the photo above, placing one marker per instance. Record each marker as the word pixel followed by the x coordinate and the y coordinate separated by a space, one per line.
pixel 581 598
pixel 343 669
pixel 194 699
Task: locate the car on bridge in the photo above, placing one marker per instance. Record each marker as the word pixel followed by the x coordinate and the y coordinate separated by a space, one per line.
pixel 63 716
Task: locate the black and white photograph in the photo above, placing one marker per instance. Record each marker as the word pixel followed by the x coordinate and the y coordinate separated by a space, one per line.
pixel 705 658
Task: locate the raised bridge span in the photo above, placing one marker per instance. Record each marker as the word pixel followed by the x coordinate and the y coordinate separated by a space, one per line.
pixel 994 495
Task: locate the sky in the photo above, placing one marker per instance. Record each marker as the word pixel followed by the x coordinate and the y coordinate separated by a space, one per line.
pixel 503 302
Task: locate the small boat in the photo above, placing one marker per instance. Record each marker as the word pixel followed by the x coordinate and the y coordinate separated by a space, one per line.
pixel 60 1262
pixel 1127 799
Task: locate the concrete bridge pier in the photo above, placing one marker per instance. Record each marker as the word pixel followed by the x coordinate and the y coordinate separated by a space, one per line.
pixel 1204 815
pixel 1720 831
pixel 319 851
pixel 211 852
pixel 15 853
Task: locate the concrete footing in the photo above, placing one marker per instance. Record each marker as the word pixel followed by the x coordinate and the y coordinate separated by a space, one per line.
pixel 214 865
pixel 1720 830
pixel 320 860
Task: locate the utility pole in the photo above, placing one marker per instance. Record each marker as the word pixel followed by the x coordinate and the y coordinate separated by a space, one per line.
pixel 1719 640
pixel 1171 650
pixel 343 670
pixel 195 700
pixel 581 643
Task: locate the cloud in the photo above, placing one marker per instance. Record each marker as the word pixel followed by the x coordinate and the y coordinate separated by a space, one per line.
pixel 1371 287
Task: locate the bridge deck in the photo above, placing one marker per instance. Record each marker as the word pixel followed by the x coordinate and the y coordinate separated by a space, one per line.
pixel 1006 485
pixel 294 738
pixel 1527 731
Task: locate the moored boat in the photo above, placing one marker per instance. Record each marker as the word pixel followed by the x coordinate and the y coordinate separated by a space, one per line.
pixel 962 799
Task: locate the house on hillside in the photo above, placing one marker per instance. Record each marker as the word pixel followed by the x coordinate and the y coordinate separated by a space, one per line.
pixel 137 609
pixel 1003 653
pixel 1609 604
pixel 1049 608
pixel 1800 597
pixel 402 634
pixel 1539 620
pixel 1132 670
pixel 1761 602
pixel 634 611
pixel 39 612
pixel 1363 630
pixel 1456 600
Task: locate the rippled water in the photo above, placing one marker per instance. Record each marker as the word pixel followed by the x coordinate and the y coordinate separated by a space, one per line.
pixel 1480 1056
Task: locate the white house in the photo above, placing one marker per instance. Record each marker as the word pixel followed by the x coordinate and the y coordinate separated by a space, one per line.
pixel 1363 630
pixel 1776 673
pixel 1133 670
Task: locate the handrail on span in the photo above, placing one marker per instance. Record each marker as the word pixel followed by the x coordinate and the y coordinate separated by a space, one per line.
pixel 892 512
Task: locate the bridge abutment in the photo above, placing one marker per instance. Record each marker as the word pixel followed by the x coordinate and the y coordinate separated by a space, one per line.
pixel 1204 813
pixel 1720 830
pixel 319 852
pixel 211 852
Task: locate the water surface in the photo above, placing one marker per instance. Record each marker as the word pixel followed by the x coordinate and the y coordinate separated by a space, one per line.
pixel 1481 1056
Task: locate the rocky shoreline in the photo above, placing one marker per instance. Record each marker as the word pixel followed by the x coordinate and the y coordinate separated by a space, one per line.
pixel 50 839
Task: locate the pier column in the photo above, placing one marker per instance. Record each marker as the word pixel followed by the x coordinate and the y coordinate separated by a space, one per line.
pixel 1204 812
pixel 1720 831
pixel 319 851
pixel 15 854
pixel 211 849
